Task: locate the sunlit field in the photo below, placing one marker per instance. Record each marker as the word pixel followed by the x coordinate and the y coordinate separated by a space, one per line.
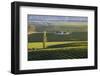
pixel 40 44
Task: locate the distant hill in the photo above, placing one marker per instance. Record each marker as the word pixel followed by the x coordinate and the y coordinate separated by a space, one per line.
pixel 52 27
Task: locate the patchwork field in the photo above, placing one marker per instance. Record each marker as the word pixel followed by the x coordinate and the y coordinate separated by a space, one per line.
pixel 57 50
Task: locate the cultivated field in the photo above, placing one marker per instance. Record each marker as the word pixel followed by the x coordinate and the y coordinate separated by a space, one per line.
pixel 57 50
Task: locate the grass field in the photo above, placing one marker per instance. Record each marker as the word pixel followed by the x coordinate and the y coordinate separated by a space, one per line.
pixel 57 50
pixel 40 44
pixel 53 37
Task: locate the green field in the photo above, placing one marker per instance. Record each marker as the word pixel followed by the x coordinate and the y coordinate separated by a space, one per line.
pixel 40 44
pixel 53 37
pixel 57 50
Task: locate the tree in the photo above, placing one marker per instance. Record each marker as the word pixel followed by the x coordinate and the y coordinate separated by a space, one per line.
pixel 44 39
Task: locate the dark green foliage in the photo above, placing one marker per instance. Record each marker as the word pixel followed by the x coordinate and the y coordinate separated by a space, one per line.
pixel 58 54
pixel 74 36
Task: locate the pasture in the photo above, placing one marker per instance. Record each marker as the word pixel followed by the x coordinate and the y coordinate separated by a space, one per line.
pixel 57 50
